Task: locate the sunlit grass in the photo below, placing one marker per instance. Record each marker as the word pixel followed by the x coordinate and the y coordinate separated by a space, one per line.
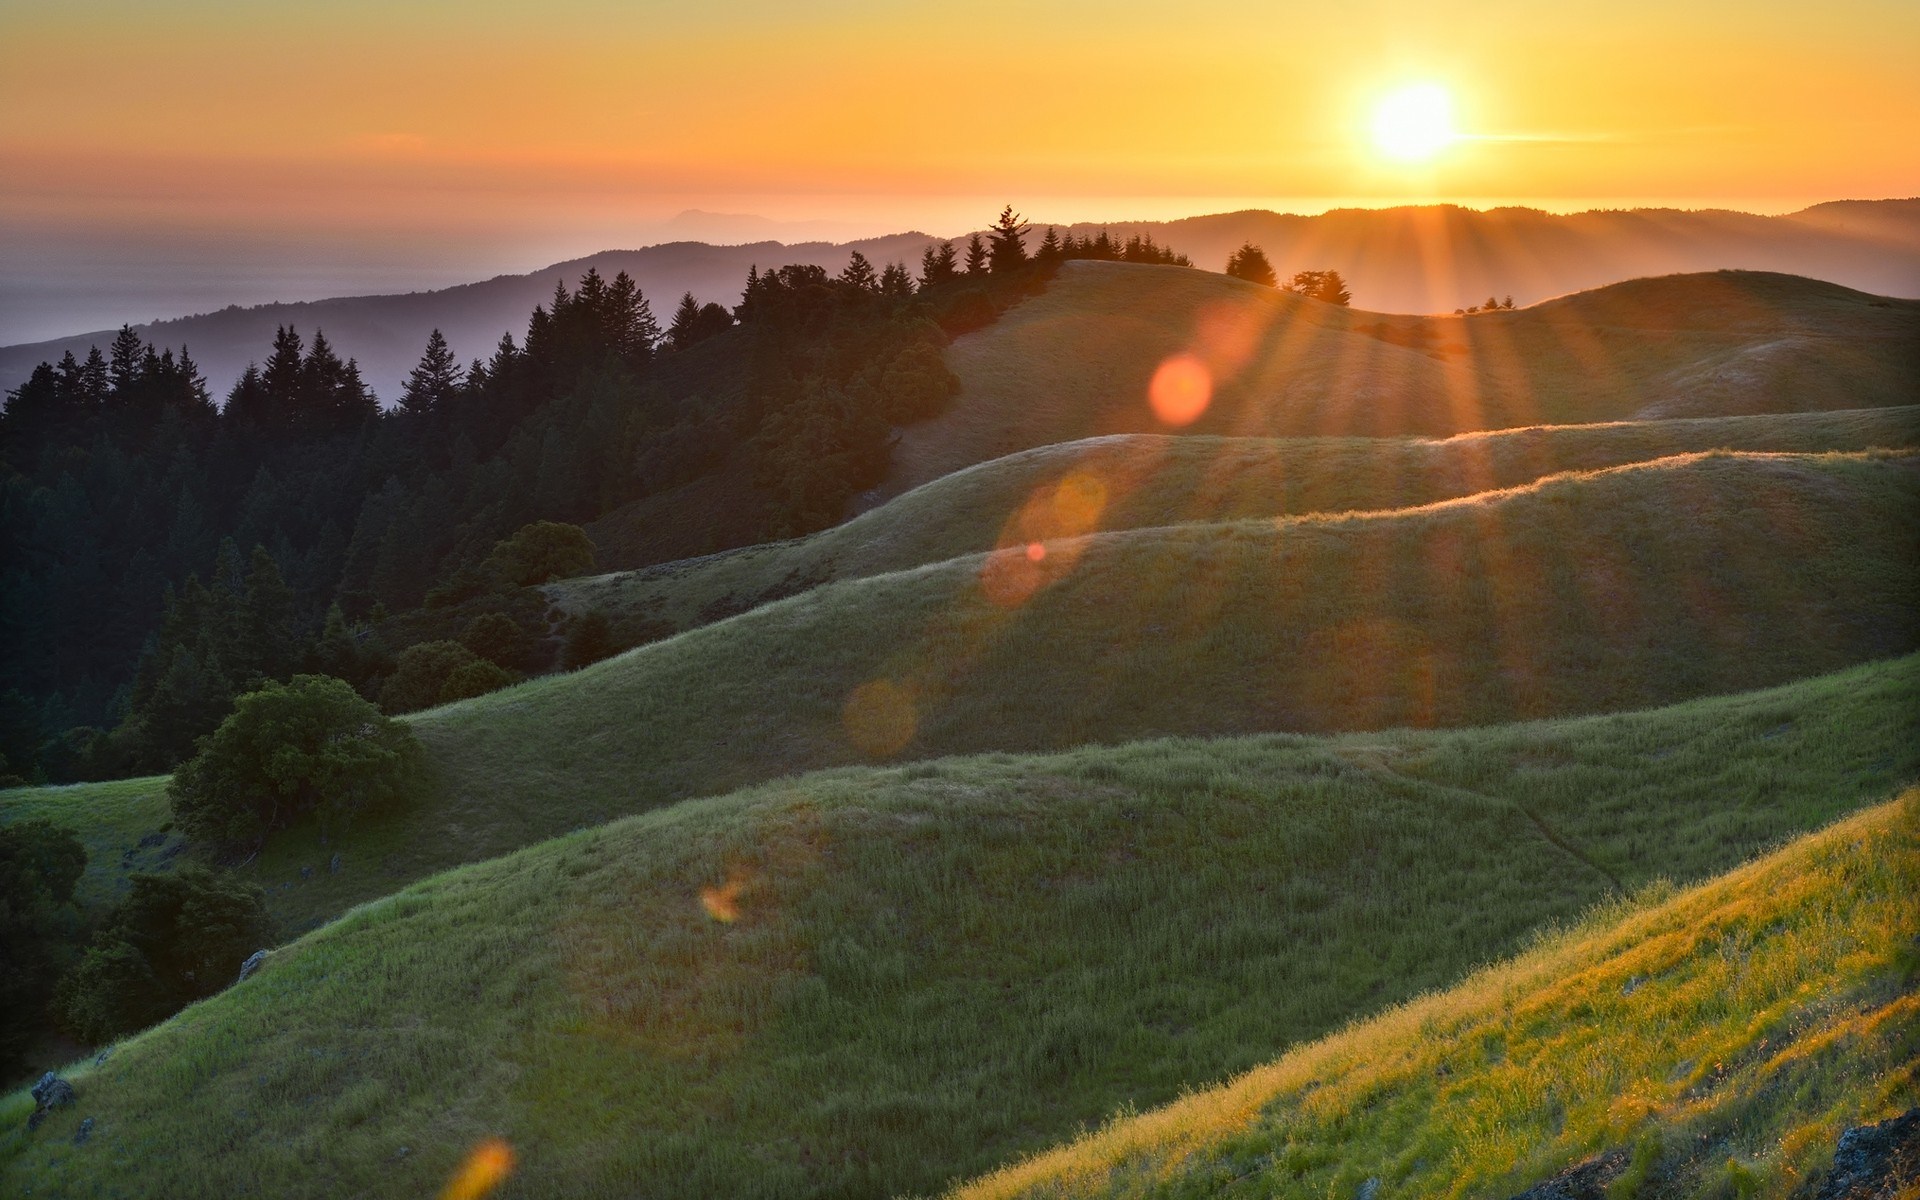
pixel 880 980
pixel 1724 1037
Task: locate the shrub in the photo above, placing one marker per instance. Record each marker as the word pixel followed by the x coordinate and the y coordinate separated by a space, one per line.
pixel 917 384
pixel 589 639
pixel 541 551
pixel 173 940
pixel 475 678
pixel 308 746
pixel 497 638
pixel 420 675
pixel 39 865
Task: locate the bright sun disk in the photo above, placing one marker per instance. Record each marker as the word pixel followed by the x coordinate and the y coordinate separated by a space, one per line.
pixel 1415 123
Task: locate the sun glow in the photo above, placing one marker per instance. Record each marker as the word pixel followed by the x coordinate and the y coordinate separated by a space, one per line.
pixel 1414 123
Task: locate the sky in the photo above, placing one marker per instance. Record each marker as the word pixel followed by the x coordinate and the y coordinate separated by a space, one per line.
pixel 202 152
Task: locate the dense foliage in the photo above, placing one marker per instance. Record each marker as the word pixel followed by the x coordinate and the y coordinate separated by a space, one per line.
pixel 175 938
pixel 39 865
pixel 312 746
pixel 164 554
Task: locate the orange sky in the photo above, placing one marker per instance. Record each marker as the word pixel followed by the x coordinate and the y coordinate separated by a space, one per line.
pixel 354 112
pixel 438 141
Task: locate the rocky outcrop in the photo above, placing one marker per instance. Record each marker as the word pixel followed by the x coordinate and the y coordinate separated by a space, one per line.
pixel 1582 1181
pixel 50 1093
pixel 1875 1162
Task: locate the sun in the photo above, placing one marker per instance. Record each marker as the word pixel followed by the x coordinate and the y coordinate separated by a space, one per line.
pixel 1414 123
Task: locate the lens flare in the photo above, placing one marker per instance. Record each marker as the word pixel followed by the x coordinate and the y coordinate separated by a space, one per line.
pixel 485 1169
pixel 1036 551
pixel 1181 390
pixel 723 903
pixel 880 717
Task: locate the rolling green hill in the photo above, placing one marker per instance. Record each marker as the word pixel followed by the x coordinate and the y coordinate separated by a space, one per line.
pixel 1582 593
pixel 884 979
pixel 1137 481
pixel 1076 361
pixel 1714 1044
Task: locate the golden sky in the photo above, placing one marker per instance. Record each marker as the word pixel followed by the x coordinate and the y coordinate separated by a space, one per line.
pixel 351 111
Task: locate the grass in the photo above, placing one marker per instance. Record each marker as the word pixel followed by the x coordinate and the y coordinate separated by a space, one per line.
pixel 1138 481
pixel 1589 593
pixel 887 979
pixel 1075 362
pixel 1713 1044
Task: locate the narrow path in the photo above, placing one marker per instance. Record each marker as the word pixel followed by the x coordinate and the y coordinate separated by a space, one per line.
pixel 1546 831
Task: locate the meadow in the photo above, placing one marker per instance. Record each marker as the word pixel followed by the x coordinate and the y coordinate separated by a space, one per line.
pixel 1712 1043
pixel 883 980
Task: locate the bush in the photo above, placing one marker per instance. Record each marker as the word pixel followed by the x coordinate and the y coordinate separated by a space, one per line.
pixel 420 675
pixel 475 678
pixel 541 551
pixel 589 639
pixel 917 384
pixel 497 638
pixel 174 939
pixel 308 746
pixel 39 865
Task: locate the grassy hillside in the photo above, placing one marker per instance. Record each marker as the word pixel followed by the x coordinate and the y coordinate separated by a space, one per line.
pixel 1076 361
pixel 1715 1044
pixel 883 979
pixel 1579 594
pixel 1141 480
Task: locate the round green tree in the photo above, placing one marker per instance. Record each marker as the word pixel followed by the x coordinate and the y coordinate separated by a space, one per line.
pixel 311 745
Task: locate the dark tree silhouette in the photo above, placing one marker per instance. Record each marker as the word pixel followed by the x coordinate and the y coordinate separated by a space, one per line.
pixel 432 385
pixel 976 255
pixel 938 265
pixel 860 273
pixel 1250 263
pixel 1009 247
pixel 1326 286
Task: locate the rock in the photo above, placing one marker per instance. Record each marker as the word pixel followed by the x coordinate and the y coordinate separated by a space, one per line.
pixel 50 1093
pixel 333 865
pixel 1582 1181
pixel 153 839
pixel 306 872
pixel 1875 1162
pixel 1369 1189
pixel 84 1132
pixel 100 1060
pixel 251 965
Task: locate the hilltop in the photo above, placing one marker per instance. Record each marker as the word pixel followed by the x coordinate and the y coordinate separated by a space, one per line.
pixel 1417 259
pixel 879 980
pixel 1137 481
pixel 1077 361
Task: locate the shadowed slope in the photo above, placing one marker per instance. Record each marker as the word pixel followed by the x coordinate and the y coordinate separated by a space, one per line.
pixel 1142 480
pixel 1633 587
pixel 874 980
pixel 1723 1039
pixel 1076 361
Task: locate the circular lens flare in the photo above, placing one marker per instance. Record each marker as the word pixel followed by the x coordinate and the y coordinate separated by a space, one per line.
pixel 1415 123
pixel 1181 390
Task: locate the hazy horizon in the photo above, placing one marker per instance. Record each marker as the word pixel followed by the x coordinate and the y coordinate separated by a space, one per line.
pixel 59 279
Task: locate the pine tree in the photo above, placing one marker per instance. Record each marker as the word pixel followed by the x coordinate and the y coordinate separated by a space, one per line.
pixel 125 354
pixel 895 283
pixel 685 317
pixel 1009 245
pixel 432 385
pixel 937 265
pixel 1250 263
pixel 860 273
pixel 976 256
pixel 1049 247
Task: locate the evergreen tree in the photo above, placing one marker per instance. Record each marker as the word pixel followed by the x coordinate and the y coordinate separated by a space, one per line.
pixel 895 283
pixel 433 384
pixel 1250 263
pixel 1049 247
pixel 938 265
pixel 976 256
pixel 1009 242
pixel 685 317
pixel 860 273
pixel 123 371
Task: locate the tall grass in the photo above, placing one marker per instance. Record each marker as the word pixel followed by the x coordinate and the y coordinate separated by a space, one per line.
pixel 1712 1044
pixel 879 980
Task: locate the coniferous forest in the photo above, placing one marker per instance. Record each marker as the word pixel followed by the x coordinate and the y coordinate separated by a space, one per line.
pixel 166 552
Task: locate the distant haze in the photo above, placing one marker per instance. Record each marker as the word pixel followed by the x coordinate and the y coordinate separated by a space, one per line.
pixel 1419 259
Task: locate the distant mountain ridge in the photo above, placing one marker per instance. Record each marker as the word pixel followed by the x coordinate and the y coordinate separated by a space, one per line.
pixel 1416 259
